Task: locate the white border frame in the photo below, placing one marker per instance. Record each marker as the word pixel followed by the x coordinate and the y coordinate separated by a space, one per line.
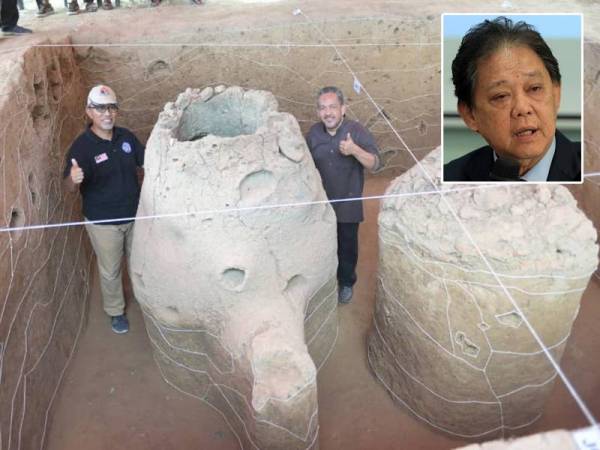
pixel 581 96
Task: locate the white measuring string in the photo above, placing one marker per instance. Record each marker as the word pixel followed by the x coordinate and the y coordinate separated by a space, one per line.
pixel 587 413
pixel 237 209
pixel 235 44
pixel 220 45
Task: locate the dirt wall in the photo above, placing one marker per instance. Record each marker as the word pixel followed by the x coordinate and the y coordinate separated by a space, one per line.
pixel 588 193
pixel 43 273
pixel 397 58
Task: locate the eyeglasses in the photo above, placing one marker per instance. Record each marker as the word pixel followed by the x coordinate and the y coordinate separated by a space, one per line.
pixel 101 109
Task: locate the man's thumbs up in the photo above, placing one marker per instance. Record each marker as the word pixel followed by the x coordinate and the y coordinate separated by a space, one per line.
pixel 76 172
pixel 347 146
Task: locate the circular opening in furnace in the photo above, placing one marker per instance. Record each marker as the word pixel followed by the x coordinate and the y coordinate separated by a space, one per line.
pixel 231 113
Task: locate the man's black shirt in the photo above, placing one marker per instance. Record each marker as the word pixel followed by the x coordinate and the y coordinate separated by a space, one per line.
pixel 110 188
pixel 342 176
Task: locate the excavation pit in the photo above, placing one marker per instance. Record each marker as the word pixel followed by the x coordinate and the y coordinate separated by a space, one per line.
pixel 111 390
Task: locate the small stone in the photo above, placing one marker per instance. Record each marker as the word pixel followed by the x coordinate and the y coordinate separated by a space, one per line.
pixel 206 94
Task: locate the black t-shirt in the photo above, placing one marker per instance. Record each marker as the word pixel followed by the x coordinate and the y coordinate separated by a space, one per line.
pixel 110 188
pixel 342 176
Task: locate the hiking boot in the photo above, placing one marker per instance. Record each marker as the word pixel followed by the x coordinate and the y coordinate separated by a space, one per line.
pixel 72 8
pixel 345 294
pixel 44 11
pixel 119 324
pixel 16 31
pixel 91 7
pixel 107 5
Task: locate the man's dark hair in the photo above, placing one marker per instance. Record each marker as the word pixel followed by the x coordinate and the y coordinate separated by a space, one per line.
pixel 329 90
pixel 484 39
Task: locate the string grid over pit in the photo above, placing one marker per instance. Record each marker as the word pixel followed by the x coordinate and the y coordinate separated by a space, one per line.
pixel 144 61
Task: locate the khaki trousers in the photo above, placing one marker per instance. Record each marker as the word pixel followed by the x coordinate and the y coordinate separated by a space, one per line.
pixel 110 242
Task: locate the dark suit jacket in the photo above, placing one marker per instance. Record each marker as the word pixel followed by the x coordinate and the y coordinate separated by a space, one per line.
pixel 476 165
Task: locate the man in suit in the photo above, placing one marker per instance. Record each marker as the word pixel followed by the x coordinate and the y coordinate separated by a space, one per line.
pixel 507 82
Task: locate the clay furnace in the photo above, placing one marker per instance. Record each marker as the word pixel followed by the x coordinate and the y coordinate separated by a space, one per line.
pixel 447 341
pixel 239 296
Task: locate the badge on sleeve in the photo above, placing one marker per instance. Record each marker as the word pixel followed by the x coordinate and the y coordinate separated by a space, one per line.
pixel 101 158
pixel 126 147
